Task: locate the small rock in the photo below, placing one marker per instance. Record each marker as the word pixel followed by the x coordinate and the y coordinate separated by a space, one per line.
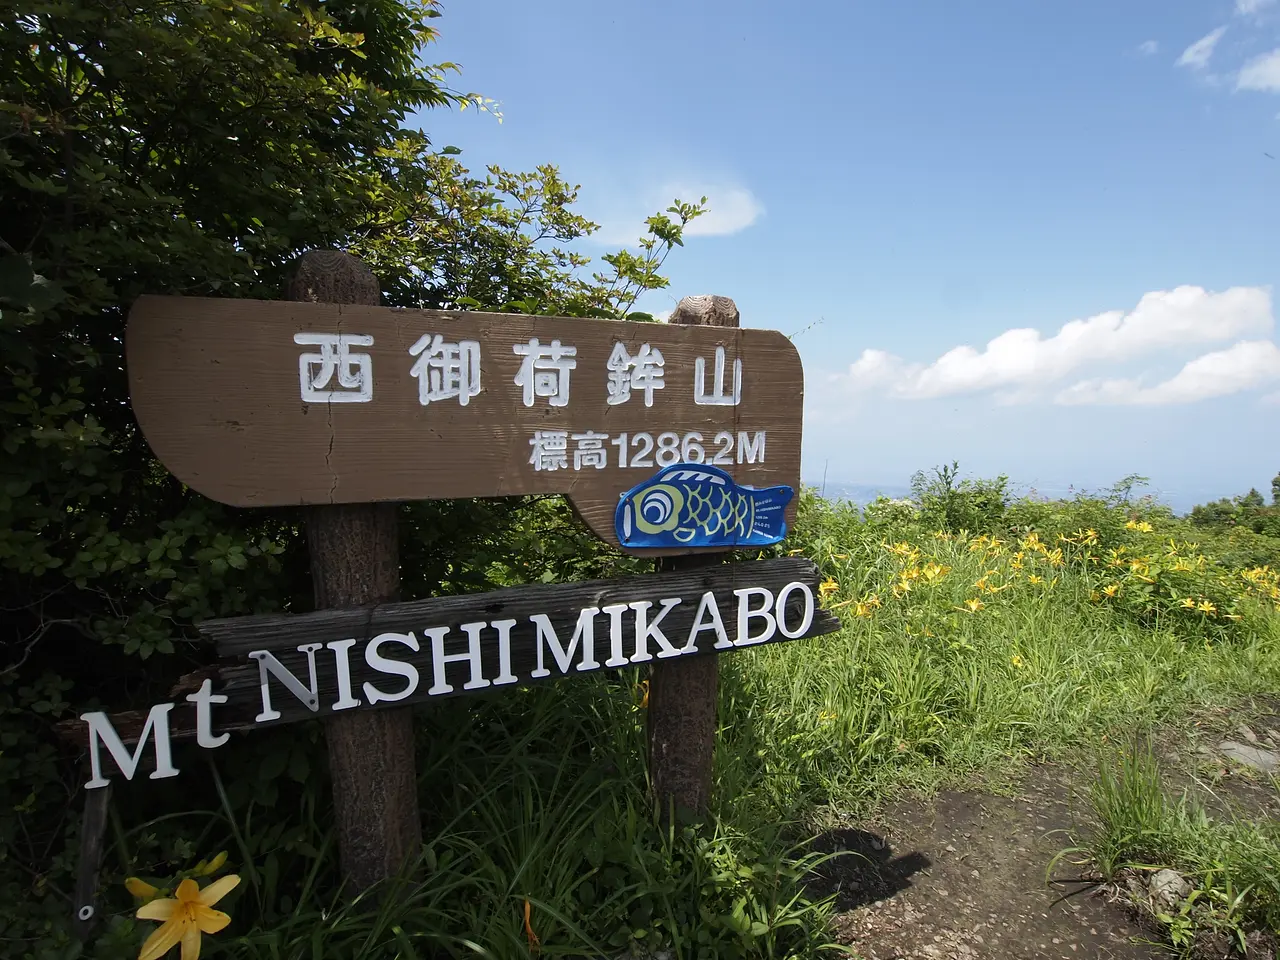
pixel 1248 734
pixel 1268 761
pixel 1168 888
pixel 949 848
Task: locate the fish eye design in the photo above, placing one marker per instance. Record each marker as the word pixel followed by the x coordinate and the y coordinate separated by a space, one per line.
pixel 658 509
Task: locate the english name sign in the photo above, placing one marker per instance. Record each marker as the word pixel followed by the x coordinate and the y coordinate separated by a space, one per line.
pixel 266 403
pixel 283 669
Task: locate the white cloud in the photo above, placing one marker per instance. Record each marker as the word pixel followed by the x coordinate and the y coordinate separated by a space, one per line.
pixel 731 208
pixel 1197 55
pixel 1247 8
pixel 1260 73
pixel 1022 359
pixel 1245 366
pixel 1149 48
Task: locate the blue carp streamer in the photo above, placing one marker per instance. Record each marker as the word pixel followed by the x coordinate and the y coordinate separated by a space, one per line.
pixel 695 505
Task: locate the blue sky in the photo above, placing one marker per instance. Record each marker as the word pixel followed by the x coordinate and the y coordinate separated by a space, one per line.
pixel 910 182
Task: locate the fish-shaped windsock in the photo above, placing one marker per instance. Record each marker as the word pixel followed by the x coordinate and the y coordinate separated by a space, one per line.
pixel 695 505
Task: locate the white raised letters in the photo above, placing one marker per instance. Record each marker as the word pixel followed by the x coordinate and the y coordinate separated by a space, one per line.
pixel 643 372
pixel 544 372
pixel 746 615
pixel 204 698
pixel 395 668
pixel 583 631
pixel 717 396
pixel 342 662
pixel 589 450
pixel 550 450
pixel 446 371
pixel 101 731
pixel 645 630
pixel 780 610
pixel 269 666
pixel 708 605
pixel 354 370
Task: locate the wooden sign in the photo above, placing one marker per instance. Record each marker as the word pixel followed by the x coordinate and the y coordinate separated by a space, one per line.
pixel 265 403
pixel 283 669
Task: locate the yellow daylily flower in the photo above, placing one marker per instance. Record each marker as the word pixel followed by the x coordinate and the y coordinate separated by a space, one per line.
pixel 974 605
pixel 141 889
pixel 1111 589
pixel 1204 606
pixel 1033 578
pixel 935 571
pixel 184 919
pixel 1189 603
pixel 213 866
pixel 827 587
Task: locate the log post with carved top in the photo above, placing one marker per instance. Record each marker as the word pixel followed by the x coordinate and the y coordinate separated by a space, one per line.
pixel 682 693
pixel 355 560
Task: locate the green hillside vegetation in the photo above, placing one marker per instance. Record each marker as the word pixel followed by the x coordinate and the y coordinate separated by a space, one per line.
pixel 966 653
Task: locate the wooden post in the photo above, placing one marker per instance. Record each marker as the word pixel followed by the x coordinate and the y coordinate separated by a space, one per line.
pixel 93 834
pixel 355 560
pixel 682 694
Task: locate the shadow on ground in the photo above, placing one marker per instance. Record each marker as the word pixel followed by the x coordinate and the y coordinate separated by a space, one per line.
pixel 864 869
pixel 963 875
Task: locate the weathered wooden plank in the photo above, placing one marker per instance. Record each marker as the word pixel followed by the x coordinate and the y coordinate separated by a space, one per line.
pixel 236 636
pixel 522 635
pixel 239 410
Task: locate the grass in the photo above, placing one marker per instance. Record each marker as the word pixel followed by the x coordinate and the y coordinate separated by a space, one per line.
pixel 964 655
pixel 1231 864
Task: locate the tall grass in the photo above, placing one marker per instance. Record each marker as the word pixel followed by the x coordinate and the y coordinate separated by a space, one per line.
pixel 1232 864
pixel 963 653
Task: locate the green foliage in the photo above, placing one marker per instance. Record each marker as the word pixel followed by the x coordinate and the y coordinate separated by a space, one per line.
pixel 961 653
pixel 196 148
pixel 533 799
pixel 948 503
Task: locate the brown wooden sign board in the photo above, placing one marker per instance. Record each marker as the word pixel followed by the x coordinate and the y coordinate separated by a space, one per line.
pixel 284 669
pixel 265 403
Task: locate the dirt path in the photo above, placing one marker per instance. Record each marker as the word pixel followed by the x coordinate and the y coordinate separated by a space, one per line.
pixel 963 876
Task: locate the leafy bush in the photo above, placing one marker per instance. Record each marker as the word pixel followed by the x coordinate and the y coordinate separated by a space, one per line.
pixel 196 148
pixel 950 504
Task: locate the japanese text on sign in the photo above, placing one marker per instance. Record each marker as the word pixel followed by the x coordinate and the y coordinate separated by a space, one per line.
pixel 451 371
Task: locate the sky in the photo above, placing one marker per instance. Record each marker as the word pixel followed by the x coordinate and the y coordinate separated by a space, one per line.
pixel 1038 239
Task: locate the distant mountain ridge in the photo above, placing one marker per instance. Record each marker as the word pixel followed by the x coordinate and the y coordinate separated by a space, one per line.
pixel 859 493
